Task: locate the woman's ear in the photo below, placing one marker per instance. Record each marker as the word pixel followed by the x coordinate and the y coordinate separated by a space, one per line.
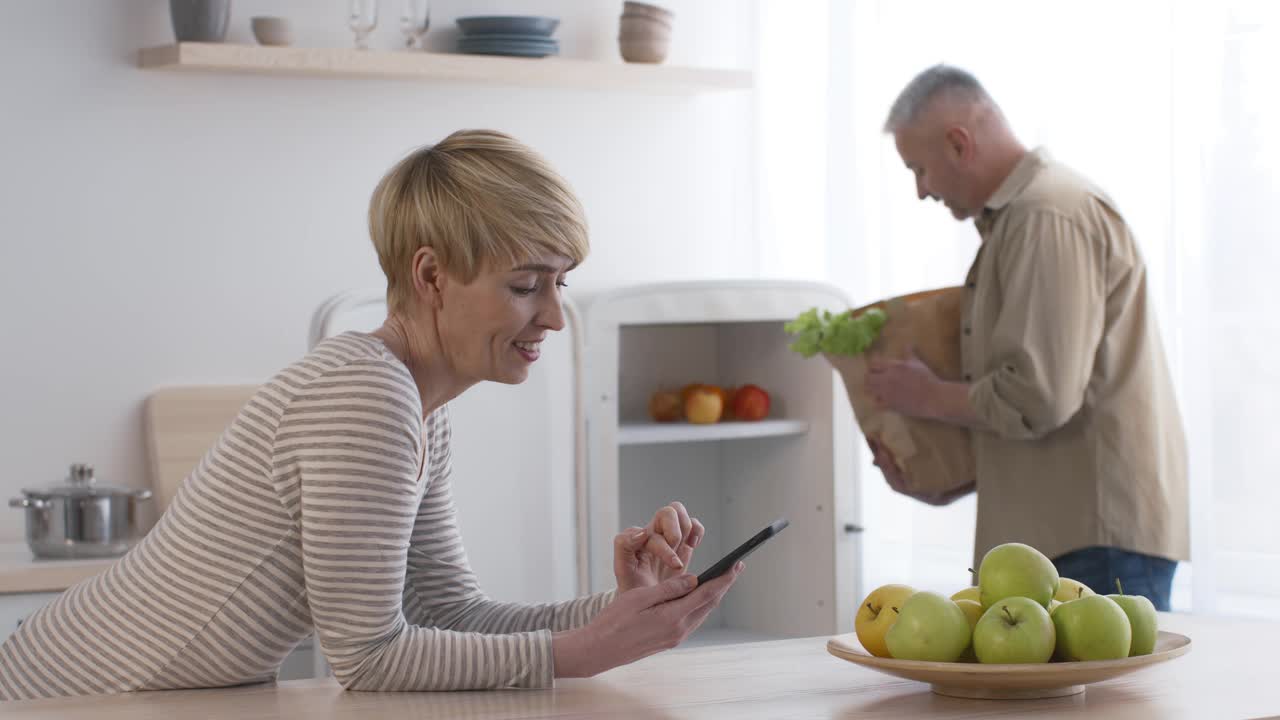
pixel 428 277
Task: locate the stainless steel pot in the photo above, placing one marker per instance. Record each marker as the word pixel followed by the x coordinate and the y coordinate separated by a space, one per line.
pixel 81 519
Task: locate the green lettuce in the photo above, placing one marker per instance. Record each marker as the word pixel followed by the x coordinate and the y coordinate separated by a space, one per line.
pixel 836 334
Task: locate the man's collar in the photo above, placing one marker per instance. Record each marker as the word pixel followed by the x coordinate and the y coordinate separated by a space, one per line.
pixel 1018 179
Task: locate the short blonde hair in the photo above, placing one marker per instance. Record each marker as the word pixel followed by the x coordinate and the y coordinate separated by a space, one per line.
pixel 479 199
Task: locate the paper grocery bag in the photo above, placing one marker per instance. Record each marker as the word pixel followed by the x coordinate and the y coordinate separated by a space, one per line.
pixel 934 457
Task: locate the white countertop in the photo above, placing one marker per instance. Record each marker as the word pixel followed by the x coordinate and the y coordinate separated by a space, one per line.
pixel 1229 673
pixel 20 572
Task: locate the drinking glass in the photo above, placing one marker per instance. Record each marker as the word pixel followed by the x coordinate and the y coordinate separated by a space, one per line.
pixel 415 18
pixel 362 19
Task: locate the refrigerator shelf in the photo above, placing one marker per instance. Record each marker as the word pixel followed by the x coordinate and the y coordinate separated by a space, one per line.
pixel 646 433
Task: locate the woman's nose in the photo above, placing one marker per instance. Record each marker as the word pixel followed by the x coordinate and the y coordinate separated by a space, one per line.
pixel 551 314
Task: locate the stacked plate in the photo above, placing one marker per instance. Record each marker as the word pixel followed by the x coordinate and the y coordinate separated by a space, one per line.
pixel 515 35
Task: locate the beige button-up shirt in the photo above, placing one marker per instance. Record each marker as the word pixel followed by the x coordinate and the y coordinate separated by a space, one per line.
pixel 1083 443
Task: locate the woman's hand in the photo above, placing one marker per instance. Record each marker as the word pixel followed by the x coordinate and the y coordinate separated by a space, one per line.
pixel 639 623
pixel 662 549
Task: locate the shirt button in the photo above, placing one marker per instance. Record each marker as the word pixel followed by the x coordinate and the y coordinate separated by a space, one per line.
pixel 968 377
pixel 971 285
pixel 968 331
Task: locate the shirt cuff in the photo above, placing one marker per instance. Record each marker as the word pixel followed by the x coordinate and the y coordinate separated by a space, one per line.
pixel 999 416
pixel 542 671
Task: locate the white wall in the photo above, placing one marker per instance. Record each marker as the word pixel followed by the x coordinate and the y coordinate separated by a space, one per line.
pixel 161 228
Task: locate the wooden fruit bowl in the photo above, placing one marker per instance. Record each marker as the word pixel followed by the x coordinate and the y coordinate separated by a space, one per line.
pixel 1009 682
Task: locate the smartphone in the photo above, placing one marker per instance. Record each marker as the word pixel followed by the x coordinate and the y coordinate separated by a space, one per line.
pixel 742 551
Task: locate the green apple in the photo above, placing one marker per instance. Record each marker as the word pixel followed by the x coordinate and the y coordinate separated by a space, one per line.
pixel 929 627
pixel 969 593
pixel 1053 605
pixel 1092 628
pixel 972 612
pixel 1142 621
pixel 877 613
pixel 1015 630
pixel 1069 590
pixel 1016 570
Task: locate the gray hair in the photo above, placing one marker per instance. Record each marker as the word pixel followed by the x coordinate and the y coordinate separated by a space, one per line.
pixel 930 84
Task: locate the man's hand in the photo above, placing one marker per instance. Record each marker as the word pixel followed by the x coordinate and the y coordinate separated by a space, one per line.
pixel 905 386
pixel 910 388
pixel 893 476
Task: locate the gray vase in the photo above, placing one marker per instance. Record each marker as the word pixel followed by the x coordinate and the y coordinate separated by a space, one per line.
pixel 200 20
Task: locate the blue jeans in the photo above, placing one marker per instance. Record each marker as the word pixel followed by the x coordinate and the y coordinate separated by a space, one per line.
pixel 1098 567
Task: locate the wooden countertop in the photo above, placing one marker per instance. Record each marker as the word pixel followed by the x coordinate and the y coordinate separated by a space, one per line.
pixel 1229 673
pixel 20 572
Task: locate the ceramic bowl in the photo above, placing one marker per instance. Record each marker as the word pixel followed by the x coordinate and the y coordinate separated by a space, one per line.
pixel 272 30
pixel 508 25
pixel 643 50
pixel 648 10
pixel 1009 682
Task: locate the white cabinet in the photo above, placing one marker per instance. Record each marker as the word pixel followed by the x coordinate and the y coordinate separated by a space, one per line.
pixel 736 477
pixel 306 661
pixel 15 607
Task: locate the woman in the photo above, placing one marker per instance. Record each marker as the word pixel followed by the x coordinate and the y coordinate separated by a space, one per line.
pixel 325 506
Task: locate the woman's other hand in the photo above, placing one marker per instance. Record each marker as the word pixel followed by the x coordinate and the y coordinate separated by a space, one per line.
pixel 639 623
pixel 646 556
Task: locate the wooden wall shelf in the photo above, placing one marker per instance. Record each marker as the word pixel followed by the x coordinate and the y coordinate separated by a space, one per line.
pixel 445 67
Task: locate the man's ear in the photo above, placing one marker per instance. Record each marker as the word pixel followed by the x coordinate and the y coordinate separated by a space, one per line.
pixel 959 143
pixel 428 277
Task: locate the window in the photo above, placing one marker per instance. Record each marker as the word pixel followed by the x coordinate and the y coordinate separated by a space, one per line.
pixel 1170 108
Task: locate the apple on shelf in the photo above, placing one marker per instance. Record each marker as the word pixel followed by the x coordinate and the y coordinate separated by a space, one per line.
pixel 750 403
pixel 666 406
pixel 705 404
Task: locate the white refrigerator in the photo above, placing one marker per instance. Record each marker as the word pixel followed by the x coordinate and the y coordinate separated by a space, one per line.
pixel 546 472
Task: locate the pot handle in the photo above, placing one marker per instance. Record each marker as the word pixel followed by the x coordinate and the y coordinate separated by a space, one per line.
pixel 28 503
pixel 142 494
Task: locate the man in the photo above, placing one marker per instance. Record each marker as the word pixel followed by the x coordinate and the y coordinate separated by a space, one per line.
pixel 1077 439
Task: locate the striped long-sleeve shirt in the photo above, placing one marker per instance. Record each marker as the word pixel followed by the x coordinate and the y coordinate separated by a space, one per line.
pixel 324 507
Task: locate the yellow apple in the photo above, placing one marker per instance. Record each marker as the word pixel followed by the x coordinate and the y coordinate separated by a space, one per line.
pixel 972 612
pixel 969 593
pixel 1069 590
pixel 877 613
pixel 704 405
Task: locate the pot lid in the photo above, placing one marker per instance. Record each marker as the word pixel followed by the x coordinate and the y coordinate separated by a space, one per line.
pixel 79 483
